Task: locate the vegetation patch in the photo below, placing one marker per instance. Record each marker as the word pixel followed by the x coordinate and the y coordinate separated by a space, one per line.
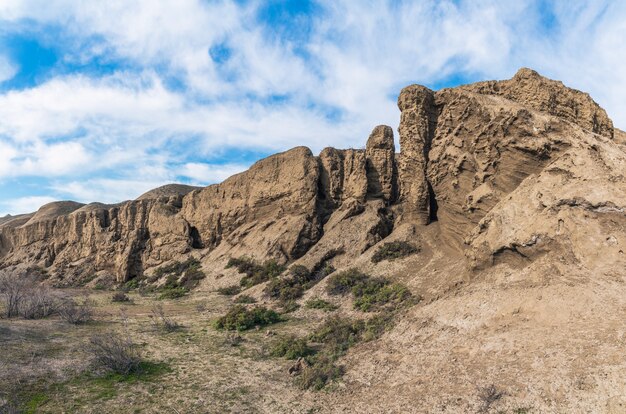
pixel 172 292
pixel 244 299
pixel 343 282
pixel 115 353
pixel 321 371
pixel 181 278
pixel 255 273
pixel 120 297
pixel 75 312
pixel 377 293
pixel 229 290
pixel 320 304
pixel 161 321
pixel 369 293
pixel 241 318
pixel 291 347
pixel 336 335
pixel 394 250
pixel 293 287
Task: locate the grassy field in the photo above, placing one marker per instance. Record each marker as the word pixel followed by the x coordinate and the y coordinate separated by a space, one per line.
pixel 46 366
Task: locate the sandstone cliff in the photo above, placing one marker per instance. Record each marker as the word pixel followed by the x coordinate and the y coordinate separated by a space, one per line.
pixel 481 161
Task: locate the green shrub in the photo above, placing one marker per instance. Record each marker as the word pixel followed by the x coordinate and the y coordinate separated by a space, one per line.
pixel 244 299
pixel 241 318
pixel 374 327
pixel 338 334
pixel 229 290
pixel 189 270
pixel 291 347
pixel 316 376
pixel 255 273
pixel 172 293
pixel 181 278
pixel 242 264
pixel 343 282
pixel 320 304
pixel 292 287
pixel 376 295
pixel 369 293
pixel 131 284
pixel 394 250
pixel 120 297
pixel 290 306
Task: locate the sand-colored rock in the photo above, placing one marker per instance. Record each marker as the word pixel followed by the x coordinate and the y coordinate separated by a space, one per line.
pixel 417 128
pixel 380 164
pixel 168 190
pixel 466 152
pixel 514 192
pixel 534 91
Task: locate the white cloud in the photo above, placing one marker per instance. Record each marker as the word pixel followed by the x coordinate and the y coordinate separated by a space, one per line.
pixel 23 205
pixel 79 128
pixel 7 69
pixel 204 174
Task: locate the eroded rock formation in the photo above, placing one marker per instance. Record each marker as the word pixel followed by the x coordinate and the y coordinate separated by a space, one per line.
pixel 482 160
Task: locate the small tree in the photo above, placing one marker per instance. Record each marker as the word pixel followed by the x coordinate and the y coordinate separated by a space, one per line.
pixel 13 290
pixel 39 303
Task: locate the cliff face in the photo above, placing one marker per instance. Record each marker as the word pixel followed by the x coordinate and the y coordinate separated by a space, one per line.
pixel 479 160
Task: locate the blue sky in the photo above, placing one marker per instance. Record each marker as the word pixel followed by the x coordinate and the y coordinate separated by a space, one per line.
pixel 103 100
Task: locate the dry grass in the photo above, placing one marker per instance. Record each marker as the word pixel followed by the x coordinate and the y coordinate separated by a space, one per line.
pixel 205 372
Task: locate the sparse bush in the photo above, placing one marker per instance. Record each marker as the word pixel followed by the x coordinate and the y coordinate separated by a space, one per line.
pixel 241 318
pixel 343 282
pixel 131 284
pixel 172 293
pixel 181 277
pixel 229 290
pixel 233 339
pixel 377 293
pixel 320 304
pixel 120 297
pixel 13 290
pixel 193 275
pixel 244 299
pixel 375 326
pixel 255 273
pixel 489 395
pixel 292 287
pixel 291 347
pixel 40 303
pixel 338 334
pixel 161 321
pixel 75 312
pixel 394 250
pixel 290 306
pixel 369 293
pixel 319 373
pixel 115 353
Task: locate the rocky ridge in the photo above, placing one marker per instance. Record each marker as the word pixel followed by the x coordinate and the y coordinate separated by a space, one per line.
pixel 470 158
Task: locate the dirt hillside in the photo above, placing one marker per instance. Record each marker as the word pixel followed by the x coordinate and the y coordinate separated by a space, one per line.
pixel 513 192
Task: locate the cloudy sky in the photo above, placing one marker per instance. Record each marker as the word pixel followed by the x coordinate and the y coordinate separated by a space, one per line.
pixel 103 100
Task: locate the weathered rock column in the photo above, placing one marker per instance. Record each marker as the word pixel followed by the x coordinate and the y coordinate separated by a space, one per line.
pixel 417 128
pixel 381 170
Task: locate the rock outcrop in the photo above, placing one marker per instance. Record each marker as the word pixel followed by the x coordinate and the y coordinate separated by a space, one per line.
pixel 496 164
pixel 381 164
